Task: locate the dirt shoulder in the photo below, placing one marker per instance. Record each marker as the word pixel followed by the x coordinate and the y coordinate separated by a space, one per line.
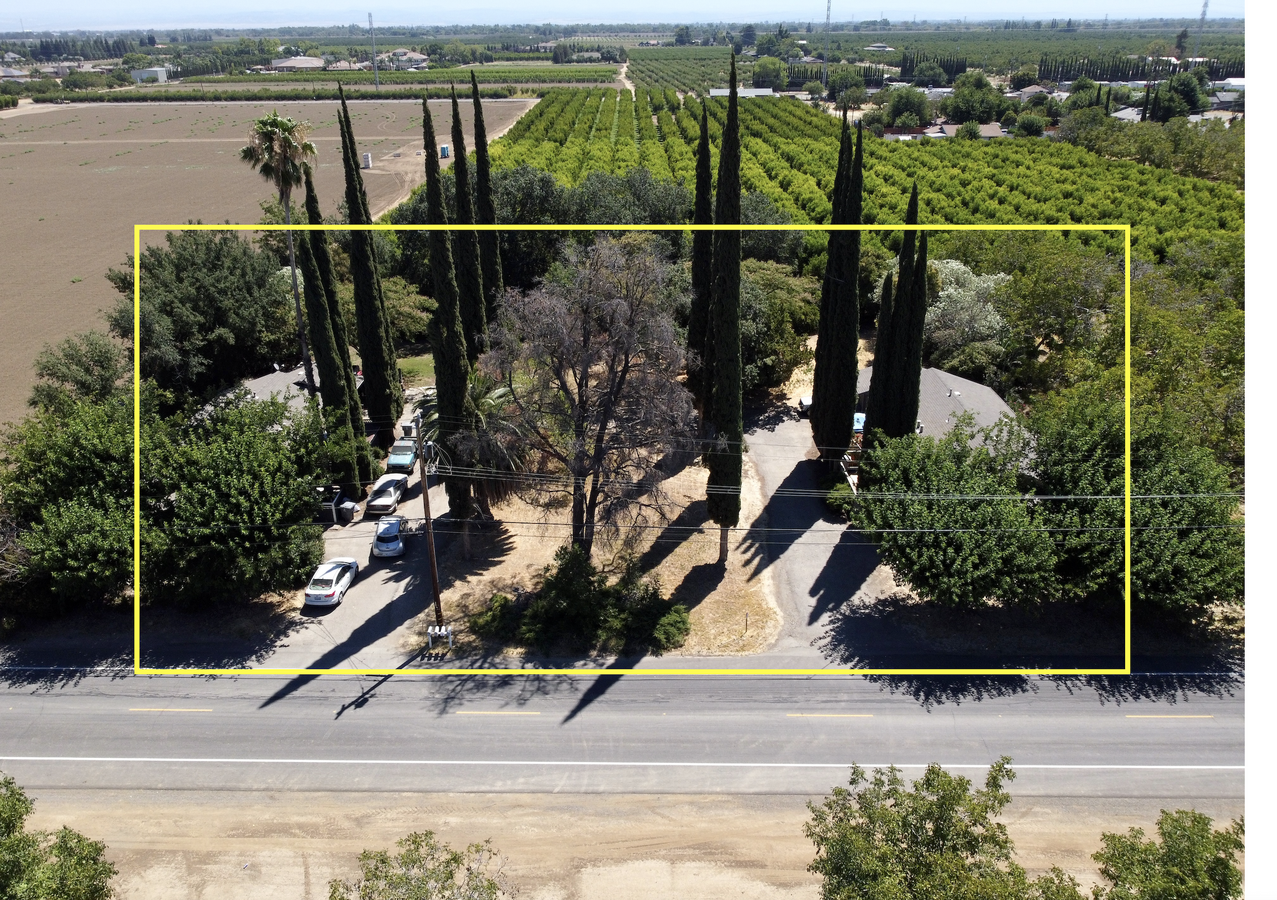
pixel 287 845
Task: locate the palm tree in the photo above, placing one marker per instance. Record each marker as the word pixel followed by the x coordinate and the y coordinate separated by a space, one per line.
pixel 277 148
pixel 497 446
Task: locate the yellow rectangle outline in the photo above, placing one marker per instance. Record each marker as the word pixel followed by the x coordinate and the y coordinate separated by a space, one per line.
pixel 138 669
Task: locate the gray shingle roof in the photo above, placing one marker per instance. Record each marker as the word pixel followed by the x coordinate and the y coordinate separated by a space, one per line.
pixel 943 397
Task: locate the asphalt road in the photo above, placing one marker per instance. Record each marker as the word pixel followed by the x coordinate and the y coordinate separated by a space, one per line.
pixel 1158 736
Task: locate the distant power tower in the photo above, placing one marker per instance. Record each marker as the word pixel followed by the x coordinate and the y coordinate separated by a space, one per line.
pixel 376 79
pixel 1201 25
pixel 824 75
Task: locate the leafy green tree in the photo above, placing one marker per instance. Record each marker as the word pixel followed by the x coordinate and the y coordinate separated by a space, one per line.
pixel 1025 76
pixel 1189 860
pixel 844 80
pixel 1186 543
pixel 1030 126
pixel 64 865
pixel 770 72
pixel 699 379
pixel 974 98
pixel 929 74
pixel 425 868
pixel 907 101
pixel 880 839
pixel 778 311
pixel 213 311
pixel 277 148
pixel 466 247
pixel 383 393
pixel 969 130
pixel 229 500
pixel 778 245
pixel 727 435
pixel 814 89
pixel 66 474
pixel 448 340
pixel 953 552
pixel 89 366
pixel 486 213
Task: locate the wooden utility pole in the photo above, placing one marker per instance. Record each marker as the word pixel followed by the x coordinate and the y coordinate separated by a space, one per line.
pixel 430 527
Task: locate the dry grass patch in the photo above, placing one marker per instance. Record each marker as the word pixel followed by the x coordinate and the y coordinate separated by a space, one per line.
pixel 508 557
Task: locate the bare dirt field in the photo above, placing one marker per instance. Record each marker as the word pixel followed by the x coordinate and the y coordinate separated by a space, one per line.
pixel 75 179
pixel 286 845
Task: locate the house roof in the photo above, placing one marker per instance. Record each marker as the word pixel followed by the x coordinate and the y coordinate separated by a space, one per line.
pixel 992 130
pixel 1128 114
pixel 942 397
pixel 298 62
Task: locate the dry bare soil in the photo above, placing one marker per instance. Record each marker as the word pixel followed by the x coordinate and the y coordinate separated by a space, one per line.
pixel 75 179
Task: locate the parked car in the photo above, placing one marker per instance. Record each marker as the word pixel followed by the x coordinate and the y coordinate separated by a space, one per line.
pixel 402 455
pixel 389 538
pixel 385 496
pixel 331 581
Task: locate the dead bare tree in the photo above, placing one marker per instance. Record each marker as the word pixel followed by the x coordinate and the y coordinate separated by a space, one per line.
pixel 592 359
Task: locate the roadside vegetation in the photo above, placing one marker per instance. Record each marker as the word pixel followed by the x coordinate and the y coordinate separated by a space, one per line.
pixel 60 865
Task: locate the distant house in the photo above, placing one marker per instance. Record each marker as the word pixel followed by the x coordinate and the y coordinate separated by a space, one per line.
pixel 297 64
pixel 1127 114
pixel 880 48
pixel 342 65
pixel 588 54
pixel 943 397
pixel 403 59
pixel 17 75
pixel 987 132
pixel 12 57
pixel 159 73
pixel 743 92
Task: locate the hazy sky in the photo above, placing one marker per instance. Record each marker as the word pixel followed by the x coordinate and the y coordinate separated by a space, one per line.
pixel 86 14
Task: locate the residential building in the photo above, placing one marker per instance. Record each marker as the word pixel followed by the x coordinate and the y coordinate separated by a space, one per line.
pixel 297 64
pixel 159 73
pixel 942 398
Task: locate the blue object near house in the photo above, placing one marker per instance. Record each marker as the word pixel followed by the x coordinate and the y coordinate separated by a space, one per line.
pixel 859 423
pixel 443 151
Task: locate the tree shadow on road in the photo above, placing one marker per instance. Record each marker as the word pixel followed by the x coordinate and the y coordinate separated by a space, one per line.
pixel 786 517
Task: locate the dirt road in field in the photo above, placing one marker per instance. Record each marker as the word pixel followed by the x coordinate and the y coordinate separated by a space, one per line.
pixel 75 179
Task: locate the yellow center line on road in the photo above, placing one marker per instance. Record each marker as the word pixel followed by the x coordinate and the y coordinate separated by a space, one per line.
pixel 167 709
pixel 1170 717
pixel 829 715
pixel 466 712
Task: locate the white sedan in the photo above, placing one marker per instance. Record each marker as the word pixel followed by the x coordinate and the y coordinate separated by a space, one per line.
pixel 331 581
pixel 386 493
pixel 389 538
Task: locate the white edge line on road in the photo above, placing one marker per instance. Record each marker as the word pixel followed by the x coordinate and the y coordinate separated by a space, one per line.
pixel 568 763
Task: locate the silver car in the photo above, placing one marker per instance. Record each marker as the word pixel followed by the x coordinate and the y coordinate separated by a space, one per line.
pixel 386 494
pixel 389 538
pixel 331 581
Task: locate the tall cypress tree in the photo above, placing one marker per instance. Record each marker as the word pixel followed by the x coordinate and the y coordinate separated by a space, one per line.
pixel 698 381
pixel 835 275
pixel 837 422
pixel 318 241
pixel 451 370
pixel 382 391
pixel 486 212
pixel 339 448
pixel 723 490
pixel 884 392
pixel 1144 111
pixel 910 332
pixel 466 245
